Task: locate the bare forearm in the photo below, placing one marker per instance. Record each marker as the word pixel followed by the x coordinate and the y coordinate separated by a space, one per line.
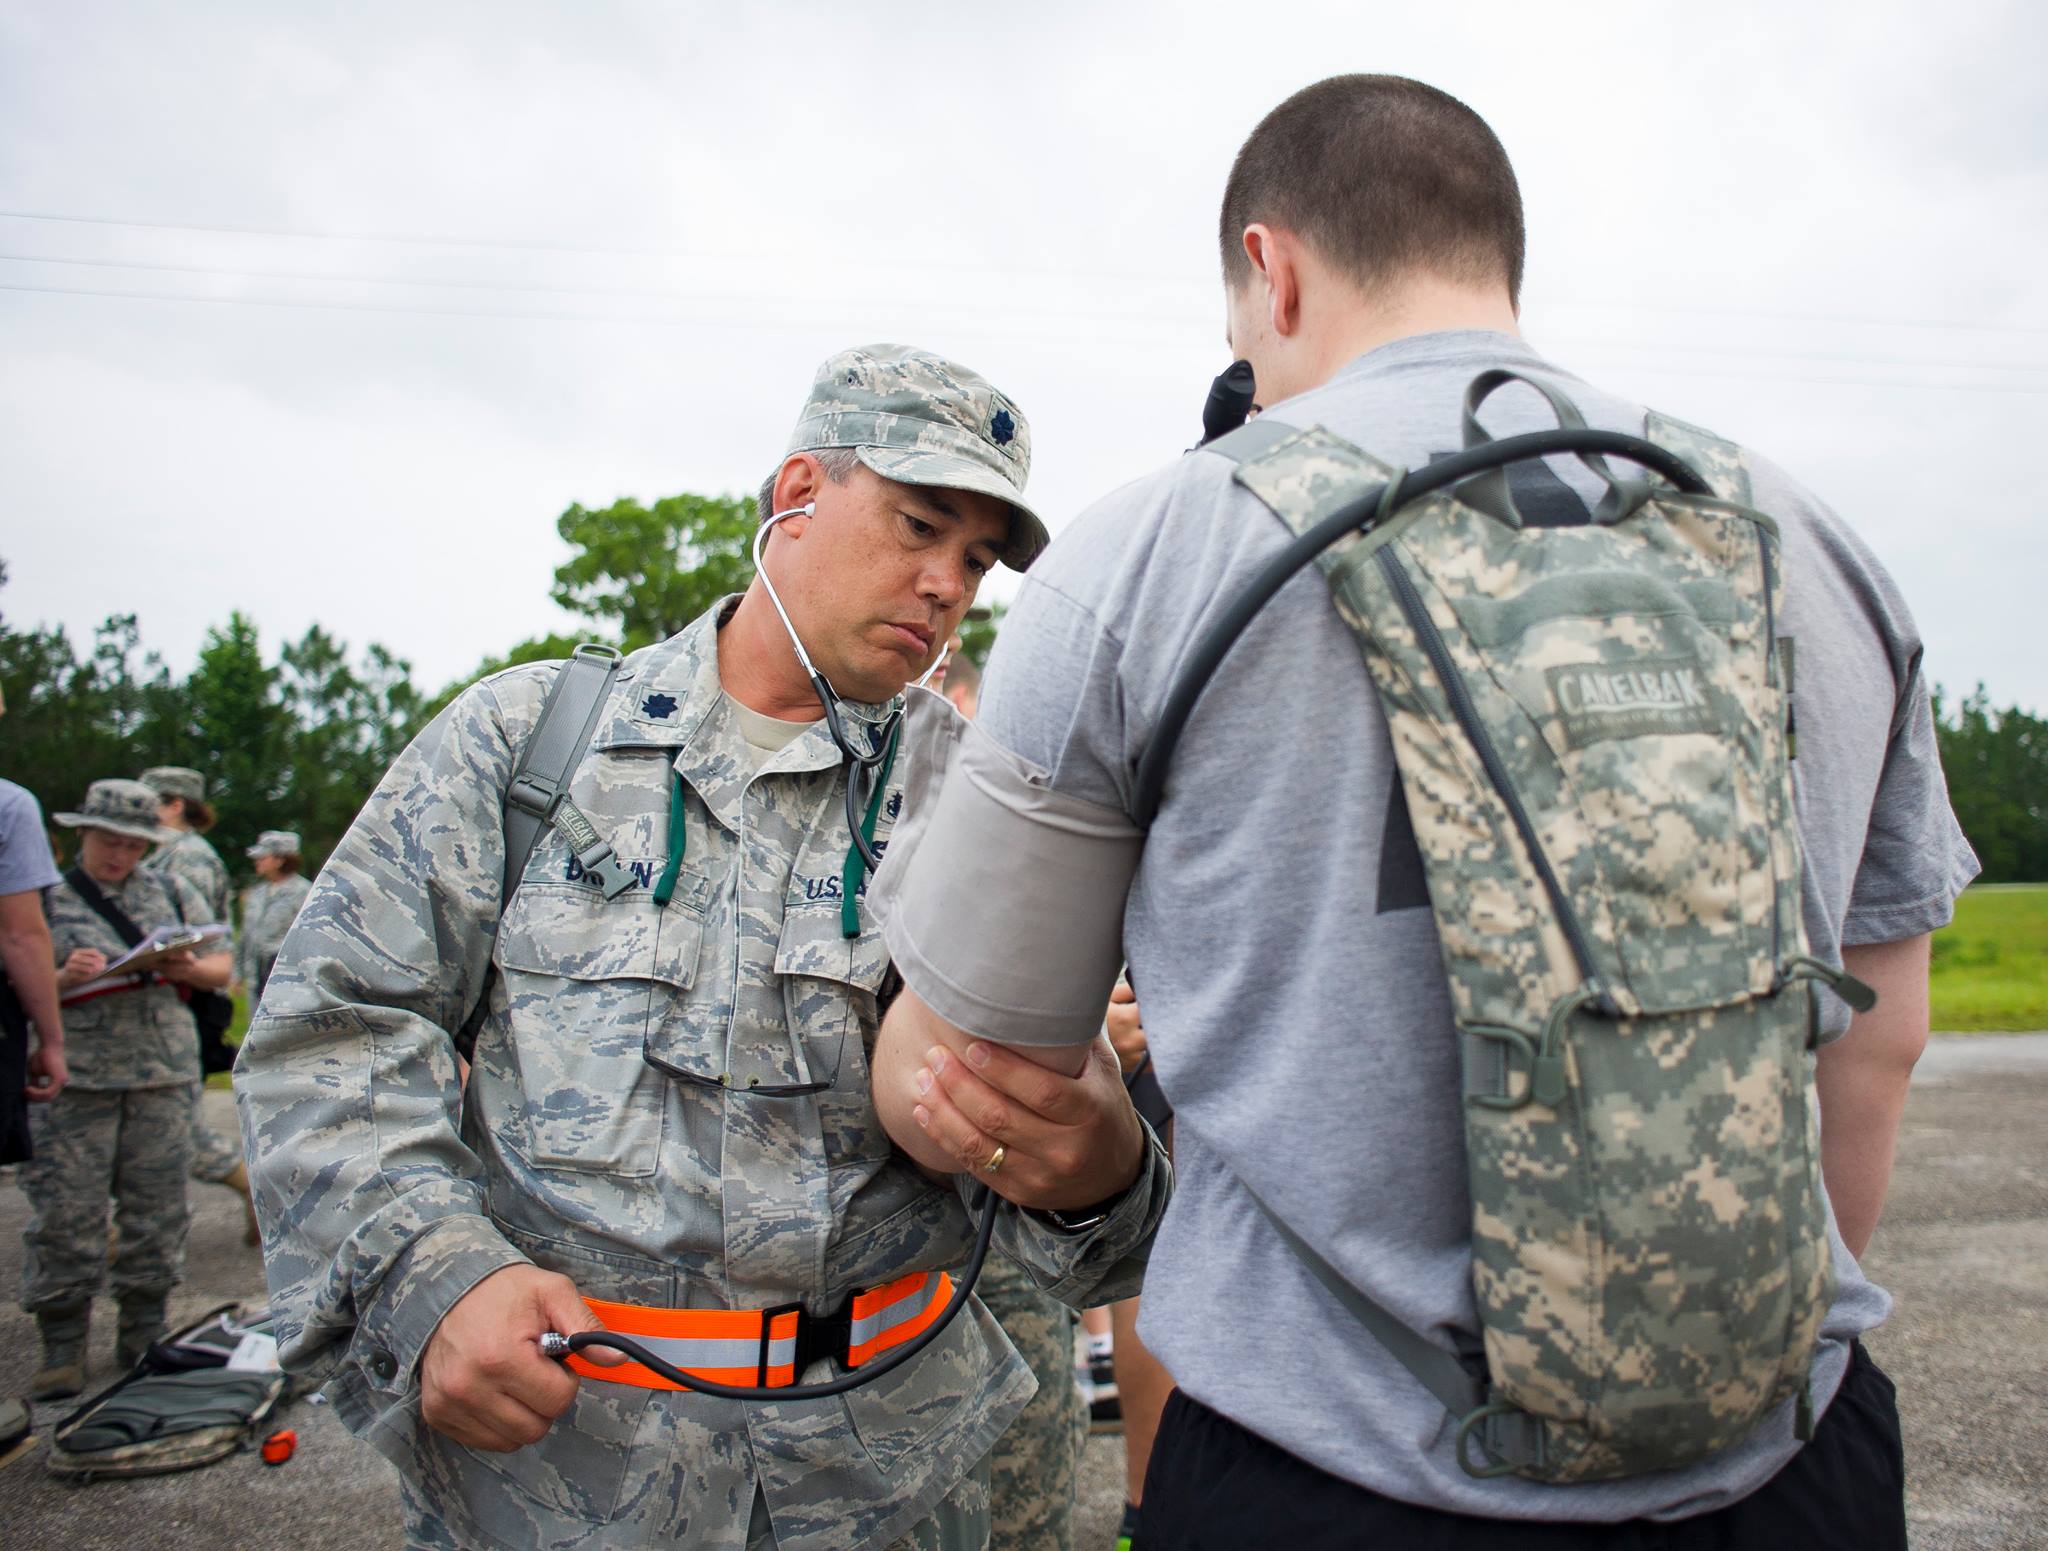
pixel 909 1032
pixel 32 971
pixel 1863 1079
pixel 211 973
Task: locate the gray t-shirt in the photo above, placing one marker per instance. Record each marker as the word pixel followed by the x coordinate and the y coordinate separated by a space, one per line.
pixel 1278 931
pixel 25 861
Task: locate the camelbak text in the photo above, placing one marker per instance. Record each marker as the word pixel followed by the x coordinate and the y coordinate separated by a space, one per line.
pixel 1611 700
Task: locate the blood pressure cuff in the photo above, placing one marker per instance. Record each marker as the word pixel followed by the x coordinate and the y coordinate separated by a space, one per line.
pixel 1002 900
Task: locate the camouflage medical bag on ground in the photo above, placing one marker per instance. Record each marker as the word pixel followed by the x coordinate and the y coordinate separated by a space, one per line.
pixel 1593 724
pixel 181 1407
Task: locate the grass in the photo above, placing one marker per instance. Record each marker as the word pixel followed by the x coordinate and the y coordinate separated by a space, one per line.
pixel 1991 962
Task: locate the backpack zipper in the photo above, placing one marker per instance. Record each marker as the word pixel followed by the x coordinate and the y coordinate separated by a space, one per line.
pixel 1460 697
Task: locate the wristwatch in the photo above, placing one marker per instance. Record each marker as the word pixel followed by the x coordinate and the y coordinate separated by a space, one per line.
pixel 1080 1219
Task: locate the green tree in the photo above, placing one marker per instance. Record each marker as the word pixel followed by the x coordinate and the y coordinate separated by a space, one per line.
pixel 348 724
pixel 648 571
pixel 1996 763
pixel 978 636
pixel 235 714
pixel 540 648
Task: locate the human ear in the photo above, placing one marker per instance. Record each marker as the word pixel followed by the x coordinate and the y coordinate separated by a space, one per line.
pixel 796 491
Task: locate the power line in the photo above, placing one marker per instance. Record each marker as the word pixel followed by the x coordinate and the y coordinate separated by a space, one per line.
pixel 516 244
pixel 668 319
pixel 543 288
pixel 526 245
pixel 1155 341
pixel 1114 315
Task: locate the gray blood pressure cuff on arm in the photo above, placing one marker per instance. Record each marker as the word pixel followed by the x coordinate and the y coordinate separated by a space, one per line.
pixel 1002 899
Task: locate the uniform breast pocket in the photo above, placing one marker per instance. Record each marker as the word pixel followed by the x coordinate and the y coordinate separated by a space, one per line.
pixel 830 983
pixel 584 981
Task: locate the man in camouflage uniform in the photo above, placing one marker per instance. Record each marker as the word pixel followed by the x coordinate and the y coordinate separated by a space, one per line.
pixel 269 907
pixel 187 853
pixel 669 1104
pixel 121 1125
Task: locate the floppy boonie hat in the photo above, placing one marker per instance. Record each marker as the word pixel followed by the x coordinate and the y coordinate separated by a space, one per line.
pixel 175 781
pixel 274 842
pixel 124 807
pixel 921 419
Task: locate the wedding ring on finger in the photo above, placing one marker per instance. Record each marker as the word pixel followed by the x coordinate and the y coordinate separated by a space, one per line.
pixel 995 1159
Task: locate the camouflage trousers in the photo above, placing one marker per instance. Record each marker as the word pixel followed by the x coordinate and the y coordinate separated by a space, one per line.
pixel 1033 1467
pixel 958 1523
pixel 214 1157
pixel 131 1145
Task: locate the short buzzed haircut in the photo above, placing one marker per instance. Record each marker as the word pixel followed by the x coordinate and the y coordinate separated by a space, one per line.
pixel 1382 176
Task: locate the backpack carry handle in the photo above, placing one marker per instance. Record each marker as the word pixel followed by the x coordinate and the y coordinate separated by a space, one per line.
pixel 1488 491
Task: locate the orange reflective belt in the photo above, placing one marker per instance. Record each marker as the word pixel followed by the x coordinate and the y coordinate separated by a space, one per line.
pixel 768 1348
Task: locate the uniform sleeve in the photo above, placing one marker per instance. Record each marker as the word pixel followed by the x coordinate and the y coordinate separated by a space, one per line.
pixel 371 1204
pixel 1915 858
pixel 1100 1264
pixel 193 908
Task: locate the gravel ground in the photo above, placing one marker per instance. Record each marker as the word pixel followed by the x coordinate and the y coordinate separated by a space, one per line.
pixel 1964 1248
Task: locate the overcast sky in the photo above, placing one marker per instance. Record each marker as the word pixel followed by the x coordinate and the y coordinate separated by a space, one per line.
pixel 342 311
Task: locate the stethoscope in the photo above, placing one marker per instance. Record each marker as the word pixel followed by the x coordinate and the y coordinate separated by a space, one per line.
pixel 867 767
pixel 870 761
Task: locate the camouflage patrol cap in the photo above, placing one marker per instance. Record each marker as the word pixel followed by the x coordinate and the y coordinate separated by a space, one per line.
pixel 123 807
pixel 175 781
pixel 274 842
pixel 921 419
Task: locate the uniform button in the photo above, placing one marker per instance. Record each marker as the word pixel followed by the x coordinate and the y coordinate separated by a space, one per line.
pixel 384 1366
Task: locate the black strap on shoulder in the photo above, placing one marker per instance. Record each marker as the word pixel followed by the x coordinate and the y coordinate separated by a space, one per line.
pixel 540 782
pixel 105 908
pixel 540 786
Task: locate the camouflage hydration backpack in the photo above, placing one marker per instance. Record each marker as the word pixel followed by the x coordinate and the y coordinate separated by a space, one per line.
pixel 1593 726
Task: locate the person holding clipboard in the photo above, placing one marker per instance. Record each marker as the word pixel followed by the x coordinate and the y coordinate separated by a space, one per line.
pixel 120 1129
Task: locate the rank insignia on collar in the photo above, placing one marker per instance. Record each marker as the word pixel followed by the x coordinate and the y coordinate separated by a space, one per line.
pixel 659 706
pixel 895 804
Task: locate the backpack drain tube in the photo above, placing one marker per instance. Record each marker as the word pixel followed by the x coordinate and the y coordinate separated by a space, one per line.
pixel 1547 1080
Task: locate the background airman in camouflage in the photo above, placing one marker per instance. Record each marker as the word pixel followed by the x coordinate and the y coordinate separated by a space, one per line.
pixel 186 853
pixel 121 1126
pixel 419 1238
pixel 268 907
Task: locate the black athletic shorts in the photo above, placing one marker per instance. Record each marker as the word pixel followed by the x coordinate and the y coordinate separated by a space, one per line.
pixel 1213 1486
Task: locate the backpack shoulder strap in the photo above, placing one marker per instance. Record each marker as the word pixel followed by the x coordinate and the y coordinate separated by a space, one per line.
pixel 539 795
pixel 1720 462
pixel 1302 476
pixel 105 908
pixel 1506 1437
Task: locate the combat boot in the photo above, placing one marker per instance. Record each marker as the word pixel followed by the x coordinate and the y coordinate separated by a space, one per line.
pixel 142 1321
pixel 63 1330
pixel 239 1180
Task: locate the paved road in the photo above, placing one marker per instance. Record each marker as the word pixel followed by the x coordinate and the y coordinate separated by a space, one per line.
pixel 1964 1247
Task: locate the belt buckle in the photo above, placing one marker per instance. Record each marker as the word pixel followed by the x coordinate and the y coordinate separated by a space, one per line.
pixel 817 1335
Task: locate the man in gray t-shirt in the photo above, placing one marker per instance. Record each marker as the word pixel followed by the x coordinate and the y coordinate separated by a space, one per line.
pixel 1275 915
